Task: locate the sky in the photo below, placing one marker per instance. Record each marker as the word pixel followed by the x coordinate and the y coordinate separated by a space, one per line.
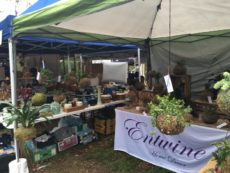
pixel 13 7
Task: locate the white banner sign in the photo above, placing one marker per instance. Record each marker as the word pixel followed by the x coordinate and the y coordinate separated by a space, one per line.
pixel 187 152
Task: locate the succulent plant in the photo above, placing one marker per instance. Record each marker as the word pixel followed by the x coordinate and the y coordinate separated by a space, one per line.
pixel 223 97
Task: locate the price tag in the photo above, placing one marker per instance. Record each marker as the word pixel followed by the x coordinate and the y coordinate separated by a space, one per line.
pixel 168 83
pixel 38 76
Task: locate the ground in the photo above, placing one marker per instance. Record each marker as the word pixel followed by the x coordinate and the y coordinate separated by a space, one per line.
pixel 96 157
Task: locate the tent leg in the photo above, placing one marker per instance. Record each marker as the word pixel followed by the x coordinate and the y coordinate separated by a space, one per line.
pixel 149 66
pixel 13 71
pixel 139 62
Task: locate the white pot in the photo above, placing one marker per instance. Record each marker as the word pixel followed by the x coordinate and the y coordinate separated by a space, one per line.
pixel 18 167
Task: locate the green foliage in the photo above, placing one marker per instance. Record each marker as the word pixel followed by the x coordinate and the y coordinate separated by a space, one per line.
pixel 222 153
pixel 223 84
pixel 25 116
pixel 46 76
pixel 169 107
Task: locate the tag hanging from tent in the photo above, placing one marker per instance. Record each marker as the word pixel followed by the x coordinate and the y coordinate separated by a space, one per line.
pixel 0 37
pixel 43 64
pixel 38 76
pixel 168 83
pixel 59 78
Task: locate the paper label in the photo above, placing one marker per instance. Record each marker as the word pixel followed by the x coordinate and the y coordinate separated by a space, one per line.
pixel 168 83
pixel 38 76
pixel 43 64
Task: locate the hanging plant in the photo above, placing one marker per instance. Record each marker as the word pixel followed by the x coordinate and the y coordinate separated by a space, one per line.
pixel 168 115
pixel 46 77
pixel 223 97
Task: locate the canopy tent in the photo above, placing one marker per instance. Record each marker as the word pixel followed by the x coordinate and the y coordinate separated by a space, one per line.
pixel 203 28
pixel 43 45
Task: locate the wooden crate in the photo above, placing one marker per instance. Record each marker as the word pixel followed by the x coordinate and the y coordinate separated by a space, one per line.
pixel 104 126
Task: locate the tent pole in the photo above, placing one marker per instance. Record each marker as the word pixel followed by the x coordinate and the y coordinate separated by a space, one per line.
pixel 149 65
pixel 81 63
pixel 139 62
pixel 68 59
pixel 13 71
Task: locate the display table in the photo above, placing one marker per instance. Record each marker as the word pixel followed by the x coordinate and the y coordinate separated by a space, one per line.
pixel 187 152
pixel 78 112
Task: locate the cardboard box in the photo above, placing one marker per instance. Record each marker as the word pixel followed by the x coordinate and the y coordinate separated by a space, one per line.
pixel 67 143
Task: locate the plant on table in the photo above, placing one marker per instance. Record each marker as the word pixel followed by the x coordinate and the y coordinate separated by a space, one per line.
pixel 168 114
pixel 209 115
pixel 222 156
pixel 223 97
pixel 25 117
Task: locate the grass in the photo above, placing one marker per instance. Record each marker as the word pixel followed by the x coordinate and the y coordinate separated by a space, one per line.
pixel 97 157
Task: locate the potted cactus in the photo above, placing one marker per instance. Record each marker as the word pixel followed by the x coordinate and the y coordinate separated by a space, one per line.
pixel 168 115
pixel 223 97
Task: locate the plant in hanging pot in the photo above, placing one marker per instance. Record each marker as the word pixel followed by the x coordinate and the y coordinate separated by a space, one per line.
pixel 223 97
pixel 168 115
pixel 46 77
pixel 25 117
pixel 222 156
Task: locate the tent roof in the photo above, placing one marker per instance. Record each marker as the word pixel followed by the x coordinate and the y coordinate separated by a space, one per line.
pixel 129 22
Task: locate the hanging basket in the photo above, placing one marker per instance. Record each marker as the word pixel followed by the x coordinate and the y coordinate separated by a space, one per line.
pixel 223 101
pixel 169 125
pixel 24 134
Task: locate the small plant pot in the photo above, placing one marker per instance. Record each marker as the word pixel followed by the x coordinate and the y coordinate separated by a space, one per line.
pixel 59 98
pixel 24 134
pixel 169 125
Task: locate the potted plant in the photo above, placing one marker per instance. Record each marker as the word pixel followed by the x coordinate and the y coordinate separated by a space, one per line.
pixel 222 156
pixel 223 97
pixel 168 115
pixel 58 96
pixel 179 68
pixel 25 117
pixel 209 115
